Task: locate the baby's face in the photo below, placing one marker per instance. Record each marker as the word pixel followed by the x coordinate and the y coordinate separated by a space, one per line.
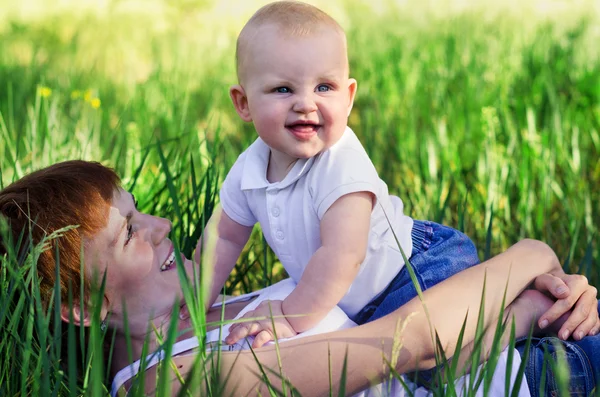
pixel 298 92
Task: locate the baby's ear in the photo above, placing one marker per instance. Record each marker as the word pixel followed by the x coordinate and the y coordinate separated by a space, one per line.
pixel 352 86
pixel 240 101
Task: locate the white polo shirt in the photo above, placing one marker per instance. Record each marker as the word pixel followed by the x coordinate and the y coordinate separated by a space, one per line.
pixel 290 211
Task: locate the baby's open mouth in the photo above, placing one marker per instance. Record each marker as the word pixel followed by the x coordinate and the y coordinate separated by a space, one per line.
pixel 300 125
pixel 303 131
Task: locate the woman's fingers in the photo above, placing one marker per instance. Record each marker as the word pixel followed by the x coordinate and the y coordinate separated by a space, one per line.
pixel 582 305
pixel 548 283
pixel 584 329
pixel 583 317
pixel 595 328
pixel 580 293
pixel 556 287
pixel 559 308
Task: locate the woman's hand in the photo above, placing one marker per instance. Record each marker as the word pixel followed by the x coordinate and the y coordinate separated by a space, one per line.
pixel 267 314
pixel 573 294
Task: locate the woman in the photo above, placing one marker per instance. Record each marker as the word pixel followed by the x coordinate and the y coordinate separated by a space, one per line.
pixel 134 253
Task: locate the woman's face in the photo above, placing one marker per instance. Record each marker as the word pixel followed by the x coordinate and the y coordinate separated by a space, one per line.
pixel 138 259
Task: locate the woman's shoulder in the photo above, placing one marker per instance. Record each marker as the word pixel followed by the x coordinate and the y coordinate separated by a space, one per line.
pixel 182 365
pixel 125 379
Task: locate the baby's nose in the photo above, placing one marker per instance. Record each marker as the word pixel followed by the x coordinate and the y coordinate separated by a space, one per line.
pixel 305 104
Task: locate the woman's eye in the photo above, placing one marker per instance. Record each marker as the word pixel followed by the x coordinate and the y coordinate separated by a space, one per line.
pixel 129 234
pixel 283 90
pixel 323 88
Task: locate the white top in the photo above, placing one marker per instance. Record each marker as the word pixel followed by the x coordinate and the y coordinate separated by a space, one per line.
pixel 290 211
pixel 335 320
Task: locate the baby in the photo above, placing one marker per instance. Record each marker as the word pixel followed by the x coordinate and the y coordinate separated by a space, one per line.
pixel 311 186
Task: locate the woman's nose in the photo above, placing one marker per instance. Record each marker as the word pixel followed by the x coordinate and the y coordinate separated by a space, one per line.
pixel 160 229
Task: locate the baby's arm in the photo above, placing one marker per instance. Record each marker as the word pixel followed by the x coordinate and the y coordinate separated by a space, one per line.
pixel 220 246
pixel 260 323
pixel 333 267
pixel 327 277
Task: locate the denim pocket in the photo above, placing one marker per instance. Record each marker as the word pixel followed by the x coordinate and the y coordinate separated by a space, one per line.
pixel 546 357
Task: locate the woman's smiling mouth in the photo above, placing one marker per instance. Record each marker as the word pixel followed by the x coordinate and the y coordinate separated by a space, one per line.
pixel 169 262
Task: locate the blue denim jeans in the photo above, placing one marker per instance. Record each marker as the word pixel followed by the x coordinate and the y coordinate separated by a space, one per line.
pixel 438 253
pixel 582 357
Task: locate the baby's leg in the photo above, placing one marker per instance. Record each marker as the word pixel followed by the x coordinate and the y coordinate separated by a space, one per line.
pixel 439 252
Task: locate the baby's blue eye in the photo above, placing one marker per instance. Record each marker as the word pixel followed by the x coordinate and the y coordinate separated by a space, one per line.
pixel 323 88
pixel 283 90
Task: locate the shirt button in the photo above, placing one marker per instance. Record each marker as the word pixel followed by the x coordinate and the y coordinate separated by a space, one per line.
pixel 279 235
pixel 275 211
pixel 272 192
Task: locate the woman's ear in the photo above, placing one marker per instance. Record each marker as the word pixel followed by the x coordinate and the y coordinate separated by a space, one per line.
pixel 80 318
pixel 240 102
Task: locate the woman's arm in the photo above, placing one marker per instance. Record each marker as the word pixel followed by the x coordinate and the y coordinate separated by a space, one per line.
pixel 306 362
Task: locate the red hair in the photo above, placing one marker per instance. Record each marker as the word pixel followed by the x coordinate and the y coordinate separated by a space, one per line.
pixel 65 194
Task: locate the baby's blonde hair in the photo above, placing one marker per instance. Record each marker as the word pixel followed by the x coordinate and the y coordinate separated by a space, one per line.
pixel 292 19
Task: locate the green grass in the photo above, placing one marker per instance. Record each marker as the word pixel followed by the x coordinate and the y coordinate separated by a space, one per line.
pixel 485 118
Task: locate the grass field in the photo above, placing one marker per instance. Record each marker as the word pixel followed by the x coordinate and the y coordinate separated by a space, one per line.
pixel 483 116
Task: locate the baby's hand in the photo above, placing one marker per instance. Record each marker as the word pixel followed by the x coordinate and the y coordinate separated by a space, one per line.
pixel 574 296
pixel 262 325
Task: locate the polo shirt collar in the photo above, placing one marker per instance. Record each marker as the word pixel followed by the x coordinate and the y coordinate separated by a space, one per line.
pixel 254 175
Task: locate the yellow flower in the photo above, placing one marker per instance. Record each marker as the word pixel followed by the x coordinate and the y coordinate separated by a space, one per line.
pixel 75 94
pixel 95 103
pixel 44 92
pixel 88 95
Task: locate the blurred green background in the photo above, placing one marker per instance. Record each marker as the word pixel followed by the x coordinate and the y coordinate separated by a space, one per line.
pixel 482 115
